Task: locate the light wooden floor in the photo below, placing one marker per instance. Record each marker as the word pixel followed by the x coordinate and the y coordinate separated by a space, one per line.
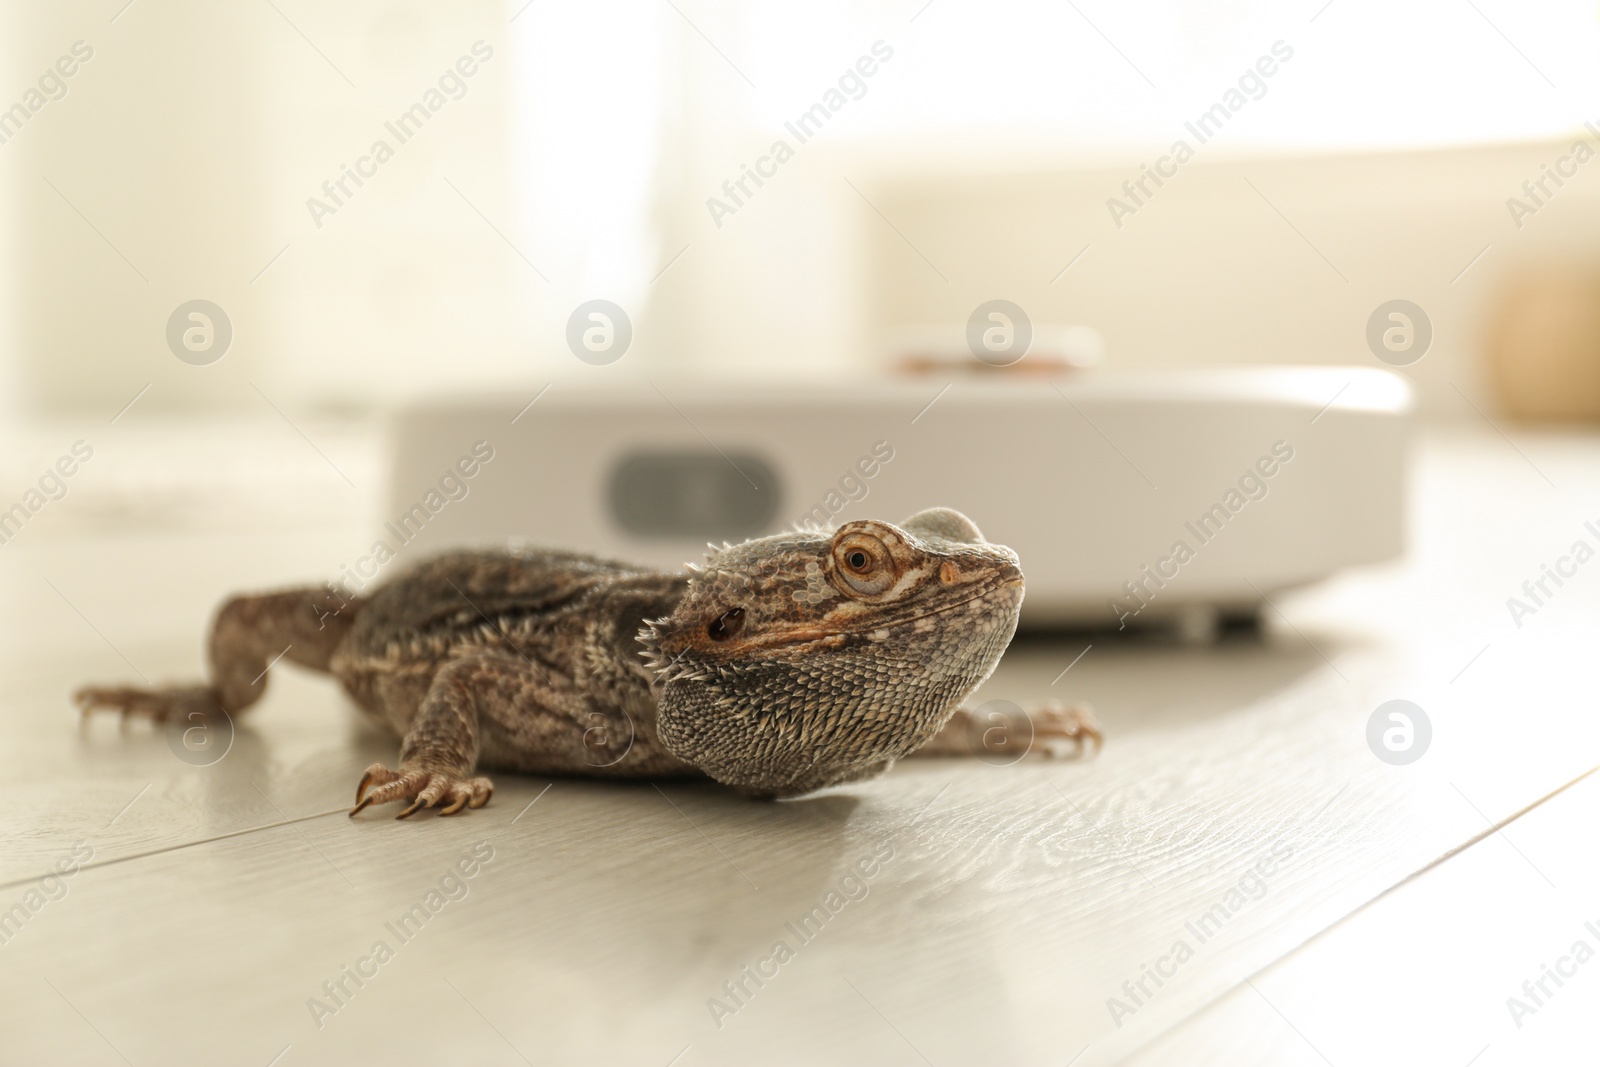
pixel 1014 900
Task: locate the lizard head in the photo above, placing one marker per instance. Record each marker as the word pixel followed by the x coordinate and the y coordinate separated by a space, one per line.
pixel 807 659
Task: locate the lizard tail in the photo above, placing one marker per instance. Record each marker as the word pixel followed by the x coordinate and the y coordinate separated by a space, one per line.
pixel 249 636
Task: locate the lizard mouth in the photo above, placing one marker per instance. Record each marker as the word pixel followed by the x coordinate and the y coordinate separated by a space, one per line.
pixel 817 634
pixel 948 608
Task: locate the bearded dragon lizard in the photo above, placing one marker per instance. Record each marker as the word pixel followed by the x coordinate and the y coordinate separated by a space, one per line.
pixel 780 666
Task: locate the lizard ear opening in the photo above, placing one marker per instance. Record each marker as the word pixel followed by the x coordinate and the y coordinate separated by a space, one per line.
pixel 946 524
pixel 726 625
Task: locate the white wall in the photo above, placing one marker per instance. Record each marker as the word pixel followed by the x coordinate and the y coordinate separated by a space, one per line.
pixel 1210 272
pixel 579 163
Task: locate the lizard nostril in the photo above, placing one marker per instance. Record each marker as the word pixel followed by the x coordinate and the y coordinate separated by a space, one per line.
pixel 948 572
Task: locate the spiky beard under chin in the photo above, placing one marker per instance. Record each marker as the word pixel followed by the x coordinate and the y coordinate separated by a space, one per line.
pixel 787 725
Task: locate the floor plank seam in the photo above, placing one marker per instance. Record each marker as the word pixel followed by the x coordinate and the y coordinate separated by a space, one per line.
pixel 1357 910
pixel 178 846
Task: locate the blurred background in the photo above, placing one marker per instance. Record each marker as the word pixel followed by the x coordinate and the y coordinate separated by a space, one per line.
pixel 382 205
pixel 196 152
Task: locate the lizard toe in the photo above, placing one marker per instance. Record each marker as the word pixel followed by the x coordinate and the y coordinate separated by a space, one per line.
pixel 399 787
pixel 436 789
pixel 473 793
pixel 376 775
pixel 424 789
pixel 155 704
pixel 1058 725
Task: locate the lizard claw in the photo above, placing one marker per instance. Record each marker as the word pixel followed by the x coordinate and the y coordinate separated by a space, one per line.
pixel 1056 724
pixel 423 788
pixel 416 805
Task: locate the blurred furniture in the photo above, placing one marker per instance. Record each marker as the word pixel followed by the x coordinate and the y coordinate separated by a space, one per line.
pixel 1132 498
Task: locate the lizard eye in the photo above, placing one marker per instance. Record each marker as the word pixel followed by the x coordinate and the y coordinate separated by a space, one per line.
pixel 725 625
pixel 863 564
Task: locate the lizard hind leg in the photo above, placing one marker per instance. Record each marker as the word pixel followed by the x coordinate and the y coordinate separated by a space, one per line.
pixel 249 635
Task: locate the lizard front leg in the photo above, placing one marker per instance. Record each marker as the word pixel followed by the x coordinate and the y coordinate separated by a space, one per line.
pixel 1006 734
pixel 441 748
